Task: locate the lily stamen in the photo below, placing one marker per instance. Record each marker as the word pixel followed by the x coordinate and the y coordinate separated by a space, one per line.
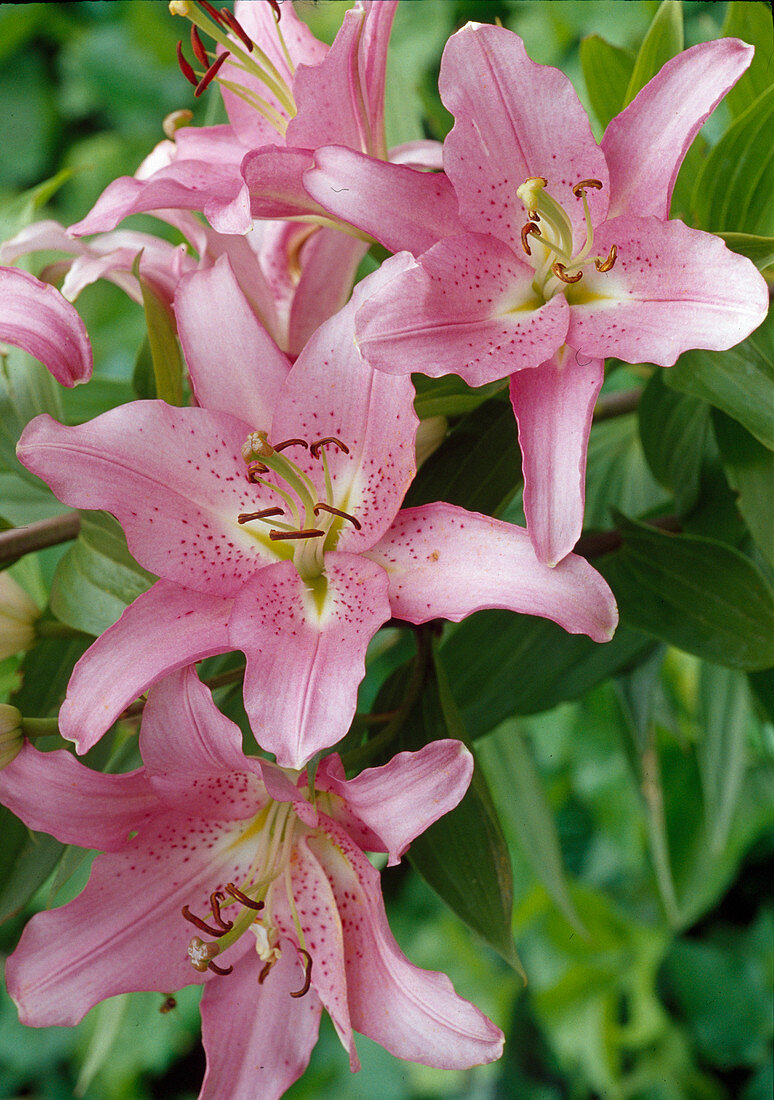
pixel 607 264
pixel 185 67
pixel 193 919
pixel 526 230
pixel 215 899
pixel 579 188
pixel 245 900
pixel 197 46
pixel 231 21
pixel 308 533
pixel 289 442
pixel 337 512
pixel 561 273
pixel 211 73
pixel 307 974
pixel 201 955
pixel 246 517
pixel 315 447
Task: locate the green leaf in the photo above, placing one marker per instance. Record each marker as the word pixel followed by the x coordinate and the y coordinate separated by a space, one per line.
pixel 607 71
pixel 478 466
pixel 450 396
pixel 617 475
pixel 26 861
pixel 752 23
pixel 756 248
pixel 724 716
pixel 733 189
pixel 97 577
pixel 749 467
pixel 694 593
pixel 45 673
pixel 162 338
pixel 520 799
pixel 500 664
pixel 26 389
pixel 763 685
pixel 662 42
pixel 673 430
pixel 739 381
pixel 143 377
pixel 463 856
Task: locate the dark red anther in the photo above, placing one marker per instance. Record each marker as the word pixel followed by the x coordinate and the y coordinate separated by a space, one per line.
pixel 265 972
pixel 215 899
pixel 249 902
pixel 212 12
pixel 219 969
pixel 289 443
pixel 198 47
pixel 309 533
pixel 256 468
pixel 530 229
pixel 307 975
pixel 276 9
pixel 316 447
pixel 189 916
pixel 211 73
pixel 561 273
pixel 245 517
pixel 582 185
pixel 231 22
pixel 337 512
pixel 168 1004
pixel 185 68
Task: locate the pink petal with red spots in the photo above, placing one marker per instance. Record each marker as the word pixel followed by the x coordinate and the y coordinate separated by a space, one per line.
pixel 672 288
pixel 52 793
pixel 239 349
pixel 34 316
pixel 396 205
pixel 315 906
pixel 401 799
pixel 257 1038
pixel 466 307
pixel 645 144
pixel 444 562
pixel 281 788
pixel 415 1014
pixel 331 392
pixel 174 478
pixel 193 753
pixel 164 629
pixel 553 405
pixel 305 650
pixel 514 119
pixel 125 931
pixel 341 101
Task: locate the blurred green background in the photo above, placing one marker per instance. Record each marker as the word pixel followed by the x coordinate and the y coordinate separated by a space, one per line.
pixel 646 935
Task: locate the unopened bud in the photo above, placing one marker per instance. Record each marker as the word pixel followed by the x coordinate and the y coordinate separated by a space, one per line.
pixel 430 435
pixel 11 733
pixel 18 614
pixel 175 121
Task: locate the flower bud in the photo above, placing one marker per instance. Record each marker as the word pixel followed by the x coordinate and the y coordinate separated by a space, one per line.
pixel 430 435
pixel 11 733
pixel 18 614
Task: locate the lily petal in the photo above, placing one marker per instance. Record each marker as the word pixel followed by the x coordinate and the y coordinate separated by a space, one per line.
pixel 34 316
pixel 514 119
pixel 125 931
pixel 645 144
pixel 243 352
pixel 174 478
pixel 305 660
pixel 193 753
pixel 554 404
pixel 271 1047
pixel 164 629
pixel 401 799
pixel 672 288
pixel 52 793
pixel 445 562
pixel 466 307
pixel 398 206
pixel 274 177
pixel 413 1013
pixel 329 263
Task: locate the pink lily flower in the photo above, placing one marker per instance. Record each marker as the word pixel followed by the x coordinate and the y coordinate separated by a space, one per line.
pixel 568 255
pixel 296 561
pixel 286 95
pixel 35 317
pixel 213 855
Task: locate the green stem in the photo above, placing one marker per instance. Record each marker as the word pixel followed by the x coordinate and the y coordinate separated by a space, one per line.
pixel 40 727
pixel 18 541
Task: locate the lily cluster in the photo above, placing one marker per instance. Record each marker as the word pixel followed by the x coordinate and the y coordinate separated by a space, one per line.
pixel 270 506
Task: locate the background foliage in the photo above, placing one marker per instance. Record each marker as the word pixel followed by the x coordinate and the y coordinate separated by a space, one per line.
pixel 624 793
